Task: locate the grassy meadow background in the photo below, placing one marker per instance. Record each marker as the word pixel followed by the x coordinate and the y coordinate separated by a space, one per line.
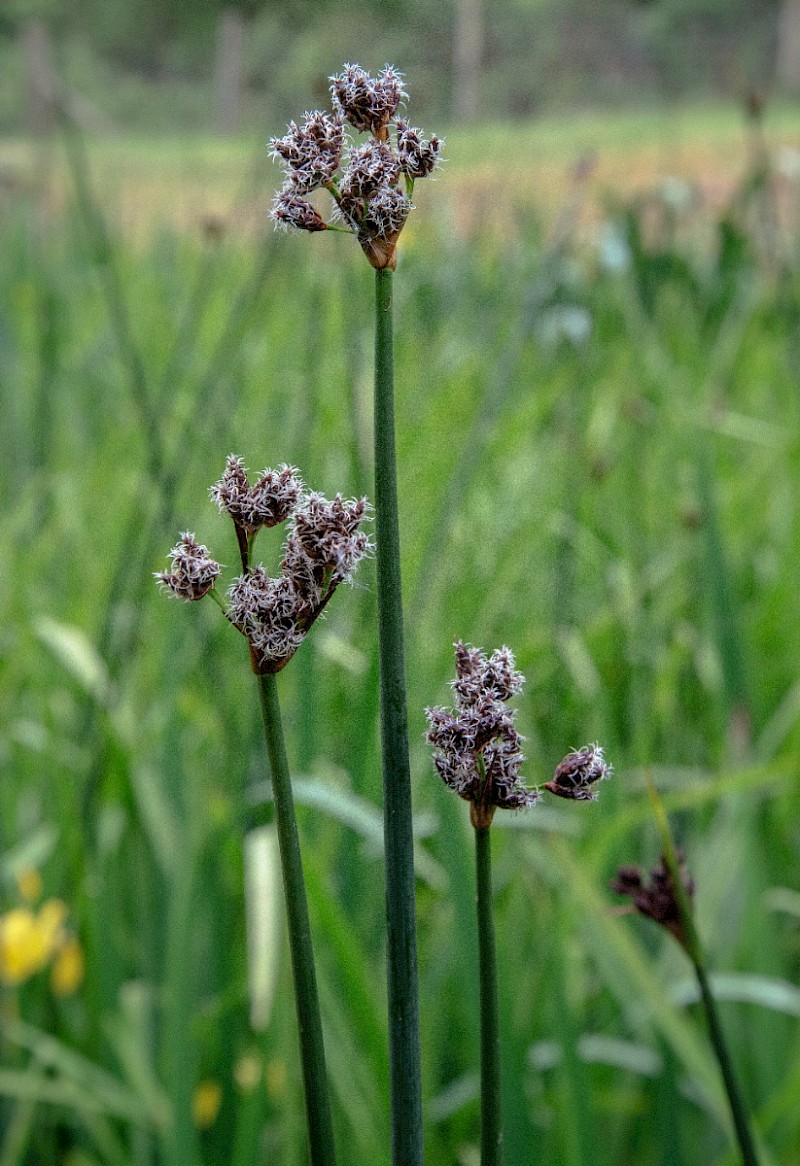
pixel 598 394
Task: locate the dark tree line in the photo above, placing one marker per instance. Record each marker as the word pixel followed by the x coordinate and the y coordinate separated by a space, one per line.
pixel 468 57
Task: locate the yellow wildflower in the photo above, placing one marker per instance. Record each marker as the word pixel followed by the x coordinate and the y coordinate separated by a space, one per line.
pixel 28 940
pixel 50 922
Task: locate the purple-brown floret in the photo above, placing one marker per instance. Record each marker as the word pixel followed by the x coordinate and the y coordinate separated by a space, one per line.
pixel 310 153
pixel 193 572
pixel 368 103
pixel 268 502
pixel 290 210
pixel 576 775
pixel 655 895
pixel 418 156
pixel 477 749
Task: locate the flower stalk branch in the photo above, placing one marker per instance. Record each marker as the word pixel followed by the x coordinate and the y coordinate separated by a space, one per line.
pixel 370 181
pixel 665 896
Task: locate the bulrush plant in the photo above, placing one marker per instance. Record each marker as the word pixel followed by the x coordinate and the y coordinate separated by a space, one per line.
pixel 371 180
pixel 477 751
pixel 666 896
pixel 323 545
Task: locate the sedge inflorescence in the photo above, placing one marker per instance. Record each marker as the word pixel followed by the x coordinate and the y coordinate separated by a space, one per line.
pixel 193 572
pixel 371 182
pixel 323 545
pixel 477 750
pixel 576 775
pixel 655 894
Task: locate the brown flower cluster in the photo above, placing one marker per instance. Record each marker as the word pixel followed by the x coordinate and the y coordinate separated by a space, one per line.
pixel 577 774
pixel 268 502
pixel 322 548
pixel 193 572
pixel 655 895
pixel 371 183
pixel 477 750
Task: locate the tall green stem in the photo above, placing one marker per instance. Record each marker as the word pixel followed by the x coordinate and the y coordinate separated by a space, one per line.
pixel 741 1120
pixel 312 1050
pixel 491 1127
pixel 404 1048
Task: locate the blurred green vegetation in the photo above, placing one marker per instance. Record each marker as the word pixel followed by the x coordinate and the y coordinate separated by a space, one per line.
pixel 599 447
pixel 498 179
pixel 150 65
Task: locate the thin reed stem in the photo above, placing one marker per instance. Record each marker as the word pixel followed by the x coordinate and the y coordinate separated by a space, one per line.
pixel 491 1124
pixel 741 1120
pixel 312 1050
pixel 404 1044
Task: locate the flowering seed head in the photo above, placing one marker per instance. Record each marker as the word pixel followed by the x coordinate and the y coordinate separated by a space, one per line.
pixel 289 210
pixel 249 596
pixel 310 153
pixel 324 546
pixel 322 549
pixel 657 898
pixel 265 610
pixel 417 156
pixel 268 502
pixel 369 167
pixel 193 570
pixel 477 675
pixel 477 749
pixel 367 103
pixel 385 216
pixel 365 184
pixel 575 776
pixel 274 496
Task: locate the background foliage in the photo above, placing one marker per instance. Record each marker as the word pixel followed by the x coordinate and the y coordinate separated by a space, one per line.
pixel 150 65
